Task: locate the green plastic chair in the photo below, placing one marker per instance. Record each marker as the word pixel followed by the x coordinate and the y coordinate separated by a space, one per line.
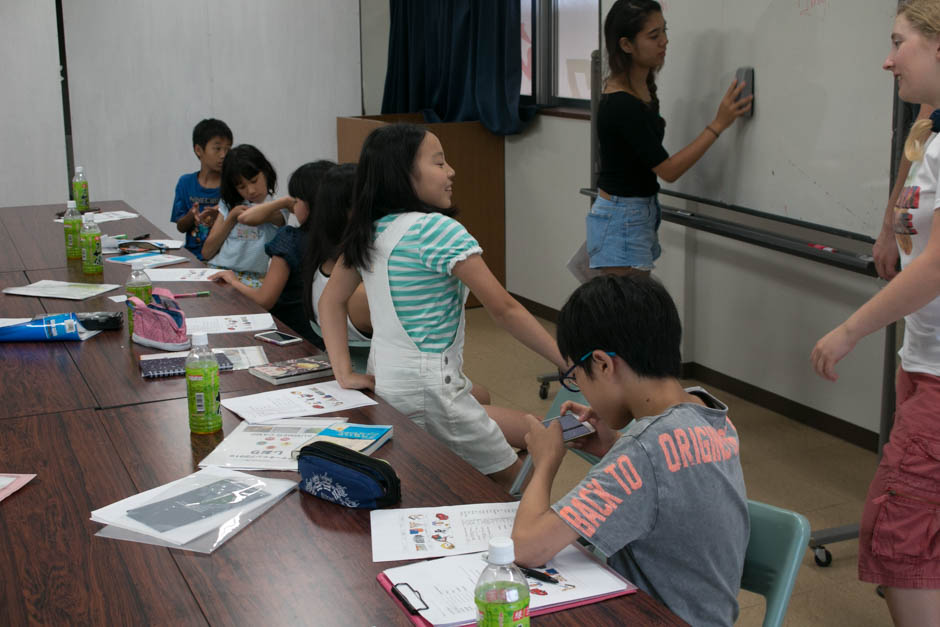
pixel 775 549
pixel 358 350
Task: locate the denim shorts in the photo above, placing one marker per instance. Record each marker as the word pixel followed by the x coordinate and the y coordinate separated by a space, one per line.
pixel 621 232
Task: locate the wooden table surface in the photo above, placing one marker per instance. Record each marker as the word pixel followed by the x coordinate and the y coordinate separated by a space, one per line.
pixel 79 416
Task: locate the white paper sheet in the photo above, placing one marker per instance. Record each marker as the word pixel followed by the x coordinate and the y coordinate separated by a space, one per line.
pixel 48 288
pixel 306 400
pixel 446 585
pixel 180 274
pixel 236 323
pixel 148 260
pixel 425 532
pixel 160 514
pixel 266 447
pixel 108 216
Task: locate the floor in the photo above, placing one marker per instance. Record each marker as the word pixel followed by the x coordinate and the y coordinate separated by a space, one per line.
pixel 785 464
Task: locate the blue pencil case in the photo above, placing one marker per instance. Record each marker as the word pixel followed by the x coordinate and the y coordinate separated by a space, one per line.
pixel 336 474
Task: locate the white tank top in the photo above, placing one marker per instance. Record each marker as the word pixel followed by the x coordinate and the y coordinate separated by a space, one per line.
pixel 319 284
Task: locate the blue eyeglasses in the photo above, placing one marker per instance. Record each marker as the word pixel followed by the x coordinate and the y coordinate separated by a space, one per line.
pixel 567 379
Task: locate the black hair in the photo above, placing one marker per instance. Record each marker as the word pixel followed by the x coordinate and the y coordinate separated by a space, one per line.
pixel 383 186
pixel 244 161
pixel 209 128
pixel 329 214
pixel 304 183
pixel 633 316
pixel 626 19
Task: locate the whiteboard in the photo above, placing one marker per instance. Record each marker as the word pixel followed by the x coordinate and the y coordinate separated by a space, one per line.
pixel 818 147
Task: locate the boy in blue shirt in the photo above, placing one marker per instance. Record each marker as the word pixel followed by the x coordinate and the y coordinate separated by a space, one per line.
pixel 666 503
pixel 195 205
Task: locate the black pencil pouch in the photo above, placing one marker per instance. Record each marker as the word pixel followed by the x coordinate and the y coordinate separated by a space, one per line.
pixel 339 475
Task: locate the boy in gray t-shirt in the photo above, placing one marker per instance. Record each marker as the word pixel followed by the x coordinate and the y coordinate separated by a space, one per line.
pixel 666 502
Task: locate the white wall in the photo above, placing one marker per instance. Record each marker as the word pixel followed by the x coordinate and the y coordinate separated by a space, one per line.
pixel 142 74
pixel 32 135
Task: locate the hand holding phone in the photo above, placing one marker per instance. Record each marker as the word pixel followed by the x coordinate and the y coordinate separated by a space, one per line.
pixel 277 337
pixel 571 427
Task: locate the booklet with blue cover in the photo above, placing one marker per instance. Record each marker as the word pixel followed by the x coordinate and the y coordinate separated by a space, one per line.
pixel 148 260
pixel 362 438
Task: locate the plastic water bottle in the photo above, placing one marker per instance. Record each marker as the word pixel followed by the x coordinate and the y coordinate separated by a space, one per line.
pixel 501 593
pixel 91 245
pixel 202 387
pixel 139 285
pixel 73 229
pixel 80 189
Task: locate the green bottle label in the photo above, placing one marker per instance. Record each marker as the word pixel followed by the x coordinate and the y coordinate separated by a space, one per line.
pixel 202 391
pixel 91 253
pixel 502 604
pixel 144 293
pixel 73 246
pixel 80 195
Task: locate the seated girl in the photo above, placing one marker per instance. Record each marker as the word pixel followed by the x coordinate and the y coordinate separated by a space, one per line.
pixel 247 179
pixel 281 289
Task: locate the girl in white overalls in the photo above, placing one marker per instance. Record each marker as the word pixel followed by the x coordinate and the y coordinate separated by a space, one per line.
pixel 403 193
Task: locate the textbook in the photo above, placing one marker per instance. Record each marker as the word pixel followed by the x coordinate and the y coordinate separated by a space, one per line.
pixel 440 592
pixel 266 447
pixel 148 260
pixel 360 438
pixel 292 370
pixel 152 366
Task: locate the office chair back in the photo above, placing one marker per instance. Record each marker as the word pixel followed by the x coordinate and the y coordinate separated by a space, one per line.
pixel 775 549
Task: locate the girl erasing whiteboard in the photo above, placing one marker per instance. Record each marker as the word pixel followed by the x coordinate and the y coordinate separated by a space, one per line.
pixel 417 262
pixel 623 222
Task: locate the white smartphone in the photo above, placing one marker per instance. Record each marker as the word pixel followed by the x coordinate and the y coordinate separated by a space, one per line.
pixel 571 427
pixel 277 337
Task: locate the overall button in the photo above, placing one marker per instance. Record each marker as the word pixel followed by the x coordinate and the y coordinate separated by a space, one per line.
pixel 447 379
pixel 445 361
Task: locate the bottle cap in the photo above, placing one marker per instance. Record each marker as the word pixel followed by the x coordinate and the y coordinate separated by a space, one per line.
pixel 502 551
pixel 88 218
pixel 79 169
pixel 137 265
pixel 201 339
pixel 70 204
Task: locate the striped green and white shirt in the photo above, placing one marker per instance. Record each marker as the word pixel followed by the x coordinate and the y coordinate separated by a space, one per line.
pixel 427 298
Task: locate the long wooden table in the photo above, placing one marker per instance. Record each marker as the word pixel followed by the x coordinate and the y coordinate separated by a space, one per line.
pixel 82 419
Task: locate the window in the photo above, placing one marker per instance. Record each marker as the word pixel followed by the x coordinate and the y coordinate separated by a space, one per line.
pixel 558 37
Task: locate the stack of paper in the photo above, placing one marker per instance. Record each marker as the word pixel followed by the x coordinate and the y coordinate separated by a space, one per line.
pixel 181 274
pixel 47 288
pixel 306 400
pixel 198 512
pixel 230 324
pixel 266 447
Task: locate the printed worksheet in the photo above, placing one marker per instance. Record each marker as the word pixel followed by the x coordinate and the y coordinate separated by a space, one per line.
pixel 425 532
pixel 266 447
pixel 305 400
pixel 180 274
pixel 47 288
pixel 108 216
pixel 243 323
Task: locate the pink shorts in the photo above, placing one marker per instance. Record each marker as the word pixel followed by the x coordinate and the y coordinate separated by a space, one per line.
pixel 899 539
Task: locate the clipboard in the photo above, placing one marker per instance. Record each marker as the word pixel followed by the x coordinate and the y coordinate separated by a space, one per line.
pixel 400 598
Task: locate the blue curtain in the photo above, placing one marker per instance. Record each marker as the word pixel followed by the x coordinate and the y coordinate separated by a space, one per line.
pixel 456 60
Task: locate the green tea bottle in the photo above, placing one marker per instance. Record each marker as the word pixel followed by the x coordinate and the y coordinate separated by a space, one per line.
pixel 202 387
pixel 139 285
pixel 91 245
pixel 73 229
pixel 502 593
pixel 80 189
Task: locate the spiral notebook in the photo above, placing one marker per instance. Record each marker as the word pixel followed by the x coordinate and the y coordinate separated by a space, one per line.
pixel 152 366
